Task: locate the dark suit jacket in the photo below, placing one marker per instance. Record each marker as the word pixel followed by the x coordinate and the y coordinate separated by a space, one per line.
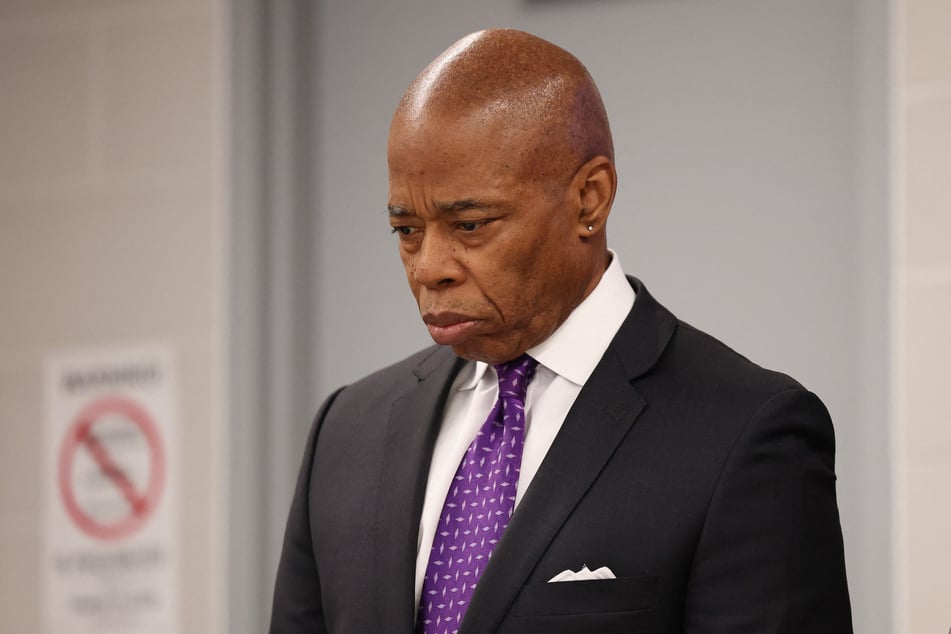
pixel 705 483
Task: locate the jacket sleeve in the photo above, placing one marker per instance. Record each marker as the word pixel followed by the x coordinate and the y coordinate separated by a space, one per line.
pixel 770 556
pixel 297 607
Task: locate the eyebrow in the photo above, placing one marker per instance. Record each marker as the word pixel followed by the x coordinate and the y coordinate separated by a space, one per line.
pixel 462 205
pixel 456 206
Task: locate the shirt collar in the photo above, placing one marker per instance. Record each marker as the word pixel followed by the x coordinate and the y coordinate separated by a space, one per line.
pixel 575 348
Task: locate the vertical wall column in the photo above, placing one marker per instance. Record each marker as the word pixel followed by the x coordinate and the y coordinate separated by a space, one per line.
pixel 271 376
pixel 922 314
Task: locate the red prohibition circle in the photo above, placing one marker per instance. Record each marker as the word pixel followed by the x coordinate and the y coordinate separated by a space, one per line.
pixel 141 504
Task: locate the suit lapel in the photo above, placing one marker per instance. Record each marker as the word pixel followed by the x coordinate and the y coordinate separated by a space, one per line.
pixel 411 434
pixel 600 418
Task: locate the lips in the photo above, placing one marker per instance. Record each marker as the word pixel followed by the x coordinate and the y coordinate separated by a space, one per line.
pixel 449 329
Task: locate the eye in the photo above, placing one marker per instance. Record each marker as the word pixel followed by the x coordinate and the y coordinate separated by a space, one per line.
pixel 403 231
pixel 471 226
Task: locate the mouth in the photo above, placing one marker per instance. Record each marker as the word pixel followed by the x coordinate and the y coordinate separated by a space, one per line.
pixel 449 329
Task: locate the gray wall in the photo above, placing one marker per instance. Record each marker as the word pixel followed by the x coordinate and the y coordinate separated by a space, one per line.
pixel 752 152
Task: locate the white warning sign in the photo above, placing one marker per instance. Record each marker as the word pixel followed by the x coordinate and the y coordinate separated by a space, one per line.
pixel 111 552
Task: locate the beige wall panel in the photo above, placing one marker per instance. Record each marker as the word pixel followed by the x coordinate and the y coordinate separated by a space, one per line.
pixel 929 558
pixel 19 8
pixel 22 485
pixel 927 40
pixel 44 106
pixel 10 8
pixel 924 261
pixel 20 589
pixel 928 181
pixel 130 265
pixel 158 95
pixel 110 234
pixel 21 428
pixel 927 420
pixel 74 13
pixel 108 267
pixel 200 491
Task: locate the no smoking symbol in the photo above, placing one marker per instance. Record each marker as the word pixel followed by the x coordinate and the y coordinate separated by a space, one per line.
pixel 111 468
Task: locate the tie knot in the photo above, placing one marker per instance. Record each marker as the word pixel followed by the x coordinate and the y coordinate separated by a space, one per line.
pixel 515 375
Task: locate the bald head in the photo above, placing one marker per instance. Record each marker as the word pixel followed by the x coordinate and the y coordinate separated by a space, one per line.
pixel 520 88
pixel 501 182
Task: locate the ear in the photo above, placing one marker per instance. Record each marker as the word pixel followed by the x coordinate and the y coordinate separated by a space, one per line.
pixel 594 184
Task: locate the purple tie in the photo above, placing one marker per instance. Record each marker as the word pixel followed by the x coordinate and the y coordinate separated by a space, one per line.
pixel 478 505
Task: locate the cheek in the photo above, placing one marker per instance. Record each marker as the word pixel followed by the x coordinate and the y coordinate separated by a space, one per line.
pixel 408 262
pixel 509 276
pixel 516 295
pixel 409 266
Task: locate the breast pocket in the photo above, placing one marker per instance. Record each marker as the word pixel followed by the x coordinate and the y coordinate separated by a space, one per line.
pixel 605 605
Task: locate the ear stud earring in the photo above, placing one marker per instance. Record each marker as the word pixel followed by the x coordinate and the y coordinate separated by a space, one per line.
pixel 590 227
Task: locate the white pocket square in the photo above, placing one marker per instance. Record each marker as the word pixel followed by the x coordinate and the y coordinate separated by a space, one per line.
pixel 583 575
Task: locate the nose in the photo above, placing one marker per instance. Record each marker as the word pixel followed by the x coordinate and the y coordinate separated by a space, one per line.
pixel 435 264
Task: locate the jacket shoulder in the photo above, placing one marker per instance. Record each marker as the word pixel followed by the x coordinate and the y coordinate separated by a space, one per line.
pixel 387 384
pixel 704 359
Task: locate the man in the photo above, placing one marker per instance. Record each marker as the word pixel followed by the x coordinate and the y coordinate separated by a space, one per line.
pixel 648 479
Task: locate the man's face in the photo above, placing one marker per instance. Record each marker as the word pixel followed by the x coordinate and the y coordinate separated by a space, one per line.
pixel 492 251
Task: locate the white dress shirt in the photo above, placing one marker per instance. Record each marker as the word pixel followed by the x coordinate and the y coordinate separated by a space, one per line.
pixel 565 361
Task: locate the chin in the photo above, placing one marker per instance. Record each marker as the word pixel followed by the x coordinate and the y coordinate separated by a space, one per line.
pixel 470 354
pixel 492 357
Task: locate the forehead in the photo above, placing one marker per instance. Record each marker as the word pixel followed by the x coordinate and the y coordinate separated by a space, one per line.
pixel 473 146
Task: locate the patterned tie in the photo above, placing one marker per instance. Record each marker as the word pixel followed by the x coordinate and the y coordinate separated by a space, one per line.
pixel 478 505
